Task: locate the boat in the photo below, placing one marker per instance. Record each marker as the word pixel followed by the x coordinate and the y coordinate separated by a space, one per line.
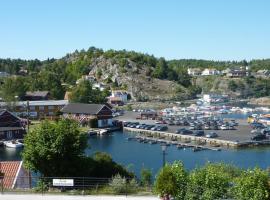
pixel 103 132
pixel 13 144
pixel 195 149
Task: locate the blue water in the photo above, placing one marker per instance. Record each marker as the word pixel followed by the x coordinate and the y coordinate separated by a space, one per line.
pixel 137 155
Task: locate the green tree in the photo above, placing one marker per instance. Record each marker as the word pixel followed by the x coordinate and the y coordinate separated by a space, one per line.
pixel 209 182
pixel 55 148
pixel 14 88
pixel 232 86
pixel 146 177
pixel 181 177
pixel 84 93
pixel 161 69
pixel 252 185
pixel 172 180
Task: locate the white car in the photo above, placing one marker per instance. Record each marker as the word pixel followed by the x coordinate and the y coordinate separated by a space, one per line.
pixel 224 127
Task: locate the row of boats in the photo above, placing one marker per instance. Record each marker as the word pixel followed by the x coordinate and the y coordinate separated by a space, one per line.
pixel 163 142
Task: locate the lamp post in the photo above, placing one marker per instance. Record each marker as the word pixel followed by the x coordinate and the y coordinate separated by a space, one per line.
pixel 163 148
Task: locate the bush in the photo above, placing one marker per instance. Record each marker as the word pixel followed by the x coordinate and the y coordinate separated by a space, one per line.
pixel 171 180
pixel 252 184
pixel 146 177
pixel 210 182
pixel 118 184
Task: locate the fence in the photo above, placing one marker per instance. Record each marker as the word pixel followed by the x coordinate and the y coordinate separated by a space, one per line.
pixel 71 185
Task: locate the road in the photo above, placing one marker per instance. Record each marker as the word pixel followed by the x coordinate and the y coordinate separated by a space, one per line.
pixel 72 197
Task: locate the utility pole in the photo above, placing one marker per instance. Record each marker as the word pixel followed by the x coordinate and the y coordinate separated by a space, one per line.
pixel 27 110
pixel 163 147
pixel 28 126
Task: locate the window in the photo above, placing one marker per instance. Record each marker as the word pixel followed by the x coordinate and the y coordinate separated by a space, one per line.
pixel 32 108
pixel 51 107
pixel 9 135
pixel 41 107
pixel 51 113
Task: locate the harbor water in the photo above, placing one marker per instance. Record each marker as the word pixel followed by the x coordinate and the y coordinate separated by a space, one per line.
pixel 135 155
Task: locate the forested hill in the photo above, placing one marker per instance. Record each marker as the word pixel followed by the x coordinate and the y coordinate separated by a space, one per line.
pixel 144 76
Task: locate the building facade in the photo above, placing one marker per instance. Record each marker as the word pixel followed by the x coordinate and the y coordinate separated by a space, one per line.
pixel 11 127
pixel 38 109
pixel 84 113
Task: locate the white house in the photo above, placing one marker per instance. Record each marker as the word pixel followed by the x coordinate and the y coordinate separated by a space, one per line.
pixel 214 98
pixel 89 78
pixel 194 71
pixel 210 72
pixel 122 94
pixel 99 86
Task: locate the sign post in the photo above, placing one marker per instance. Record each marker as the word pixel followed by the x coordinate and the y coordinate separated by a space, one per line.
pixel 63 182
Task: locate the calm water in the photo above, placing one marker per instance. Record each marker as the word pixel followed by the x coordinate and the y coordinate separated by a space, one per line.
pixel 136 155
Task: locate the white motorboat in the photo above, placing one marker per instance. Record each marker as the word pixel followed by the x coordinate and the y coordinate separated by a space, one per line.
pixel 13 144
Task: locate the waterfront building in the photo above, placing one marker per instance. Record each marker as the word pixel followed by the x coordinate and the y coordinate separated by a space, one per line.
pixel 15 175
pixel 84 113
pixel 11 127
pixel 47 109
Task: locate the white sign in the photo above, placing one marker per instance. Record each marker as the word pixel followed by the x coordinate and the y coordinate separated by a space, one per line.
pixel 63 182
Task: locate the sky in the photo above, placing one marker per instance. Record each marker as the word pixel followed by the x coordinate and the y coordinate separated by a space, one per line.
pixel 174 29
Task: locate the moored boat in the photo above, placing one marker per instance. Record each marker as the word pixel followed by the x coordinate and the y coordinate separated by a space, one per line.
pixel 13 144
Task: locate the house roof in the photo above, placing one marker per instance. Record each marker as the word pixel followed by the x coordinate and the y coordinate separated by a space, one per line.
pixel 10 170
pixel 80 108
pixel 37 93
pixel 10 128
pixel 39 103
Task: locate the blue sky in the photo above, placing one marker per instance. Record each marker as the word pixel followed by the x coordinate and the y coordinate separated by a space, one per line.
pixel 174 29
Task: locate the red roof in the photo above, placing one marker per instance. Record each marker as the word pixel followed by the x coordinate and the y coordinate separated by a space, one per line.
pixel 10 170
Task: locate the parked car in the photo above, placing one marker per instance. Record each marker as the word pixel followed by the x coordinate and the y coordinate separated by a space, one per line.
pixel 265 130
pixel 211 135
pixel 186 132
pixel 199 133
pixel 162 128
pixel 256 125
pixel 258 137
pixel 179 130
pixel 154 128
pixel 224 127
pixel 206 127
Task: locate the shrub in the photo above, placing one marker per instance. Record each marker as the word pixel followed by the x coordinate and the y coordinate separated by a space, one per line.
pixel 252 184
pixel 118 184
pixel 146 177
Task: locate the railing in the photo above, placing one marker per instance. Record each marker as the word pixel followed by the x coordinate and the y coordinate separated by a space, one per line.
pixel 70 185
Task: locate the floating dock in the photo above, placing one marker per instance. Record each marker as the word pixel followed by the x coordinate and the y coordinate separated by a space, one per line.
pixel 201 141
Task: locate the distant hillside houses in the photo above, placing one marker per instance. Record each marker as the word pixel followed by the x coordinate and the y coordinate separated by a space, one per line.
pixel 264 73
pixel 194 71
pixel 118 97
pixel 234 72
pixel 4 74
pixel 210 71
pixel 90 78
pixel 238 72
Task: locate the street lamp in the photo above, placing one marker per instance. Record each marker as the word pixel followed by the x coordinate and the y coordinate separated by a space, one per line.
pixel 163 148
